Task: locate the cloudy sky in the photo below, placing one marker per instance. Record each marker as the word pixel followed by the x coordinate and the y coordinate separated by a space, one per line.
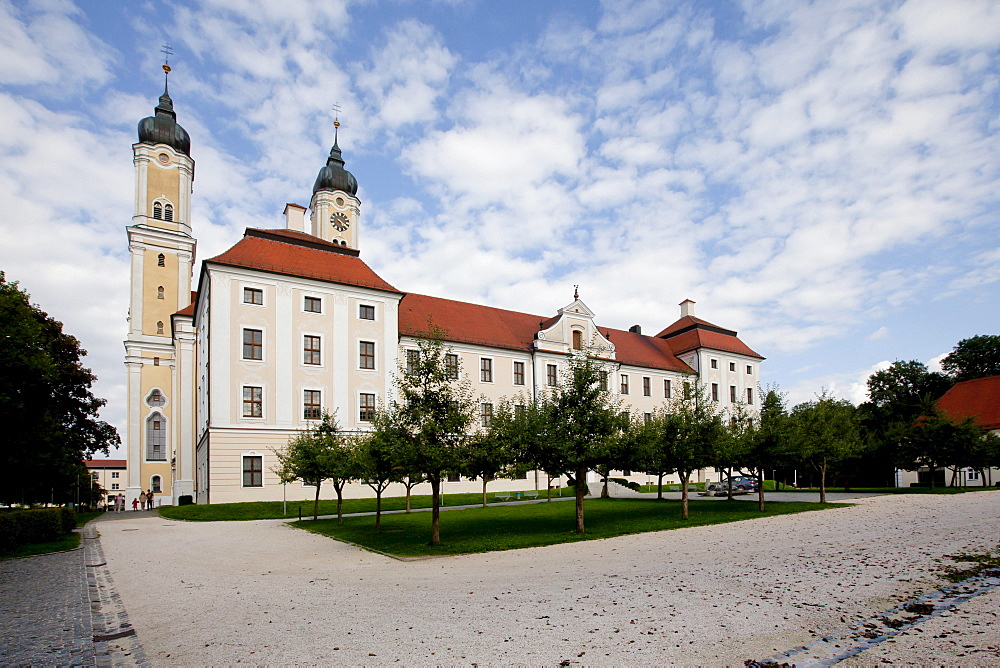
pixel 820 176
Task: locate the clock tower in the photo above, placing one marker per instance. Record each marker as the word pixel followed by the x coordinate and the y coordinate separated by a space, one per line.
pixel 336 209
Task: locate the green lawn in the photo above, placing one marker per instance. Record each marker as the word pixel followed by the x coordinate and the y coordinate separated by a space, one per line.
pixel 534 525
pixel 271 510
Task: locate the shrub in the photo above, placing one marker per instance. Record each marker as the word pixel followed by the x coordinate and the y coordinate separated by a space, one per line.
pixel 634 486
pixel 44 525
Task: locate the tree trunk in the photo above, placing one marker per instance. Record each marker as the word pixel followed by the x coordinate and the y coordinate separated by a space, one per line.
pixel 659 487
pixel 435 511
pixel 340 500
pixel 484 491
pixel 378 510
pixel 932 470
pixel 760 489
pixel 684 494
pixel 581 488
pixel 822 483
pixel 316 503
pixel 548 487
pixel 604 489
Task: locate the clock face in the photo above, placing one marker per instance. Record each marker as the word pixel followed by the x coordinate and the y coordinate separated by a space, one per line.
pixel 339 221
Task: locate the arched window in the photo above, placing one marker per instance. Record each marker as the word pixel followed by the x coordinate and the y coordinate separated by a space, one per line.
pixel 159 292
pixel 168 212
pixel 157 210
pixel 161 260
pixel 155 486
pixel 159 327
pixel 156 438
pixel 577 340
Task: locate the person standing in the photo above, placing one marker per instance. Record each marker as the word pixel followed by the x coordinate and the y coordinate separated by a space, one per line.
pixel 120 503
pixel 149 499
pixel 142 500
pixel 135 504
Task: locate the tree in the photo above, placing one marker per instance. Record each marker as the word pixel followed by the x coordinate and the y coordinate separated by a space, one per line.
pixel 977 357
pixel 320 453
pixel 435 409
pixel 769 437
pixel 935 440
pixel 733 447
pixel 699 428
pixel 823 433
pixel 374 461
pixel 579 418
pixel 647 444
pixel 492 453
pixel 49 414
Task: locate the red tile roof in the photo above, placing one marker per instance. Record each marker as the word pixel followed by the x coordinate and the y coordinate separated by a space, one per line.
pixel 511 330
pixel 690 332
pixel 189 309
pixel 298 254
pixel 978 399
pixel 105 463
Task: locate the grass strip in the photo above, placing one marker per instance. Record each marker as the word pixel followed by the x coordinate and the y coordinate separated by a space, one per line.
pixel 497 528
pixel 273 510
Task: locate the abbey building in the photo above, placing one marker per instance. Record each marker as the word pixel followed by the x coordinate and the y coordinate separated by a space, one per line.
pixel 290 322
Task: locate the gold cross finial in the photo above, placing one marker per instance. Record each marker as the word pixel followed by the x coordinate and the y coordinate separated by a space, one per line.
pixel 167 52
pixel 576 292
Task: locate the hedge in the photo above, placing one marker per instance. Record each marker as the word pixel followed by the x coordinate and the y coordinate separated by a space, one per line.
pixel 25 527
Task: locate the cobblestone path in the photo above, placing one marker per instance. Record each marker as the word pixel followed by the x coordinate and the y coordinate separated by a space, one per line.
pixel 62 609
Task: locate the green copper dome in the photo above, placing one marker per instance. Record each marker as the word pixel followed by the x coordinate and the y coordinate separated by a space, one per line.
pixel 163 127
pixel 333 176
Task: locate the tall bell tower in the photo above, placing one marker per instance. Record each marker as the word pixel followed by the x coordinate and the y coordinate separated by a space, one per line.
pixel 336 209
pixel 162 252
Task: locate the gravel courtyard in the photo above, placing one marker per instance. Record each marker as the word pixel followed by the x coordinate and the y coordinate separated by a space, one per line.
pixel 265 593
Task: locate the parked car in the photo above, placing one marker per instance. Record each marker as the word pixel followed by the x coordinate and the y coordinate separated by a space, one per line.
pixel 741 485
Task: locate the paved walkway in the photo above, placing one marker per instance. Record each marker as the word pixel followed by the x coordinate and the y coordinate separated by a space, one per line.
pixel 62 609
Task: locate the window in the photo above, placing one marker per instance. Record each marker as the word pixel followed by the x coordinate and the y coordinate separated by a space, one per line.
pixel 157 211
pixel 666 388
pixel 749 369
pixel 156 438
pixel 647 418
pixel 602 380
pixel 253 296
pixel 156 361
pixel 114 485
pixel 520 410
pixel 715 391
pixel 486 370
pixel 519 373
pixel 311 350
pixel 451 366
pixel 551 375
pixel 647 390
pixel 714 363
pixel 367 360
pixel 366 312
pixel 412 361
pixel 168 212
pixel 577 340
pixel 486 415
pixel 312 305
pixel 159 327
pixel 624 383
pixel 253 402
pixel 253 344
pixel 156 398
pixel 749 396
pixel 155 484
pixel 159 292
pixel 114 474
pixel 367 408
pixel 253 471
pixel 312 408
pixel 161 260
pixel 732 394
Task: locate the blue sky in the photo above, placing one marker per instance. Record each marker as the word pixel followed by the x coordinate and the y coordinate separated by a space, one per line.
pixel 822 177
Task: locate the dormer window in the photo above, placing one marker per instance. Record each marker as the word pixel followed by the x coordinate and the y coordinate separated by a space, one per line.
pixel 161 260
pixel 577 340
pixel 157 211
pixel 168 212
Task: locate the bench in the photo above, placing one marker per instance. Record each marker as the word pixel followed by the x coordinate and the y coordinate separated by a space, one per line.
pixel 531 494
pixel 501 496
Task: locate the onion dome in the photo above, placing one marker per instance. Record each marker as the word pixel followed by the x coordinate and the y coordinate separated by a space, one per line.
pixel 163 127
pixel 333 176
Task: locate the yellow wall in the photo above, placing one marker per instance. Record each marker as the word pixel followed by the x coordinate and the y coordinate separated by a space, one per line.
pixel 153 309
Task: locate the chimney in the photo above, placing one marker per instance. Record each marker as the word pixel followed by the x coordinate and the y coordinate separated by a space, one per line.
pixel 295 217
pixel 636 329
pixel 687 308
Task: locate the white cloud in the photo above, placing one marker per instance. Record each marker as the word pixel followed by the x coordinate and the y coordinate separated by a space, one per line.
pixel 880 333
